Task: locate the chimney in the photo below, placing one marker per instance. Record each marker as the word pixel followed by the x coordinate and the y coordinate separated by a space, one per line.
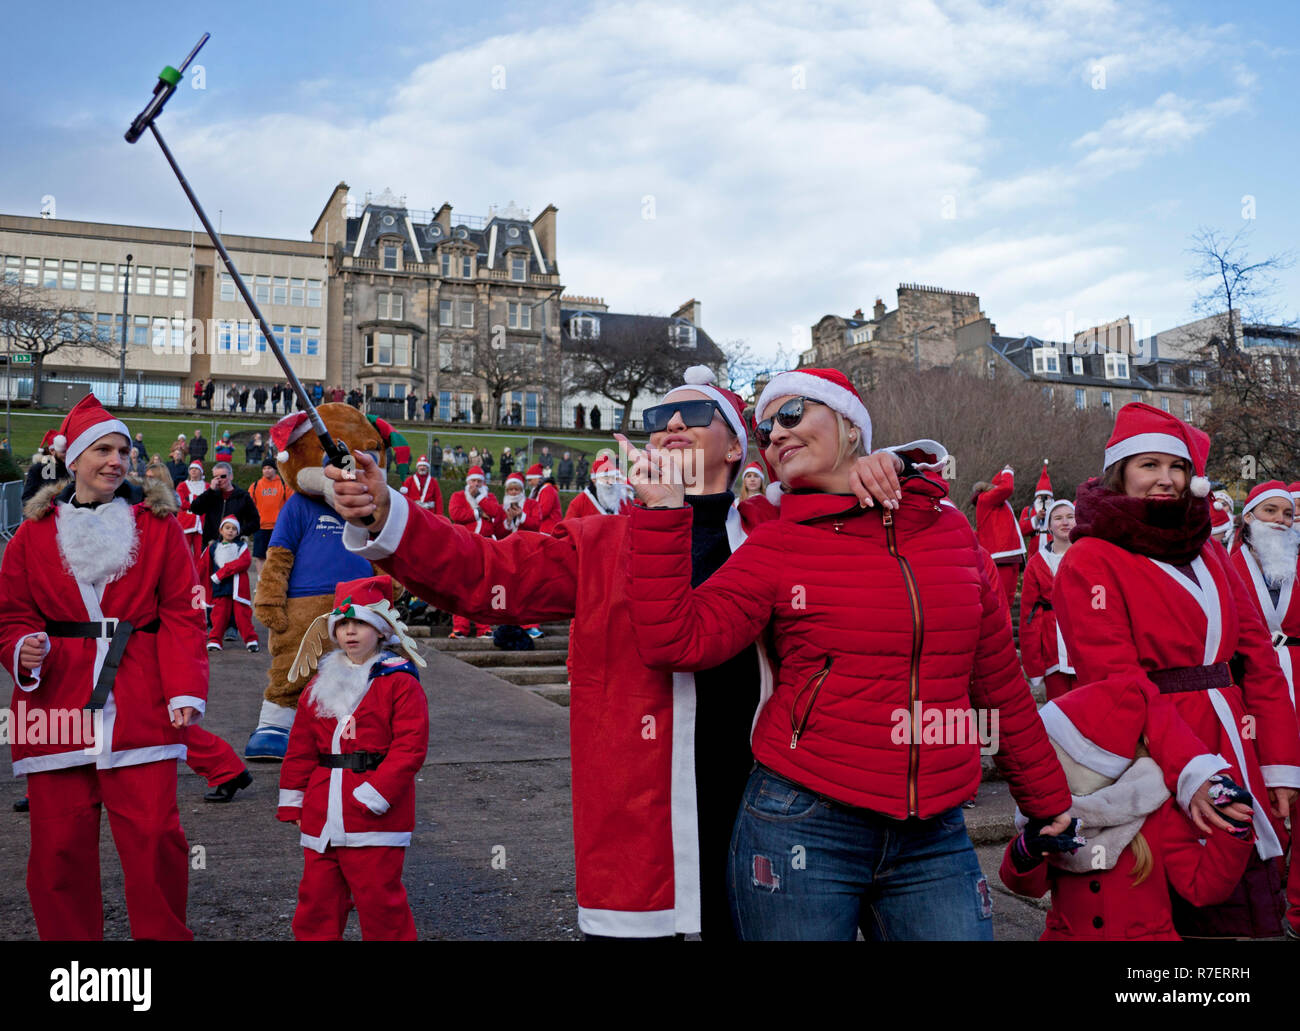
pixel 690 311
pixel 544 227
pixel 443 218
pixel 332 216
pixel 878 312
pixel 857 313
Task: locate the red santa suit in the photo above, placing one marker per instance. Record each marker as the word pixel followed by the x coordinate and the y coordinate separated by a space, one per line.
pixel 359 738
pixel 122 756
pixel 589 503
pixel 547 500
pixel 223 571
pixel 188 490
pixel 1042 647
pixel 482 513
pixel 999 531
pixel 423 490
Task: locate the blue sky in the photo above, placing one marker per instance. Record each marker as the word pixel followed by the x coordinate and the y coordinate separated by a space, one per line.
pixel 799 159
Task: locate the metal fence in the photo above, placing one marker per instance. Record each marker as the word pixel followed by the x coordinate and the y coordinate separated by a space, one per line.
pixel 11 507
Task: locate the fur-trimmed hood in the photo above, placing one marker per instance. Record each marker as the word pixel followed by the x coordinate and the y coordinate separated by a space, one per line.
pixel 158 498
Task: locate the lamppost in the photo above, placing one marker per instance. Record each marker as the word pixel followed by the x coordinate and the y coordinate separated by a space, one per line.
pixel 121 365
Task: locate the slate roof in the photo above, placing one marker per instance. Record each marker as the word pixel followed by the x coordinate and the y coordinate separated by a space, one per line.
pixel 619 330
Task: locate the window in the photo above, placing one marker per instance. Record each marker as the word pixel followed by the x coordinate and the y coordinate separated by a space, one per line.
pixel 1080 397
pixel 1136 396
pixel 1198 377
pixel 261 290
pixel 225 336
pixel 1046 360
pixel 1187 411
pixel 1164 404
pixel 390 256
pixel 313 293
pixel 1166 375
pixel 530 409
pixel 401 349
pixel 444 404
pixel 298 292
pixel 162 282
pixel 143 279
pixel 104 327
pixel 466 313
pixel 466 267
pixel 313 341
pixel 387 349
pixel 390 306
pixel 280 290
pixel 1076 366
pixel 261 339
pixel 105 278
pixel 50 274
pixel 180 280
pixel 518 268
pixel 445 313
pixel 140 331
pixel 1105 399
pixel 446 265
pixel 295 340
pixel 584 327
pixel 1116 366
pixel 228 288
pixel 681 334
pixel 69 275
pixel 381 390
pixel 399 391
pixel 87 273
pixel 519 315
pixel 279 335
pixel 444 356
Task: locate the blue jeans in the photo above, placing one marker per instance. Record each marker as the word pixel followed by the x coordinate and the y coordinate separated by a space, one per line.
pixel 804 868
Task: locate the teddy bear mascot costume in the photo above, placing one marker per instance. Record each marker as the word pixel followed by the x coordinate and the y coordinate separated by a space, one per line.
pixel 305 557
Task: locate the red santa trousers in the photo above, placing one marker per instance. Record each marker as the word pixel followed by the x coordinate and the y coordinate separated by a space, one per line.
pixel 461 625
pixel 1058 684
pixel 209 756
pixel 242 616
pixel 369 877
pixel 63 868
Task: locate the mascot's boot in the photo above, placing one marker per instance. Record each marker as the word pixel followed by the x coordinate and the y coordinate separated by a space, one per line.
pixel 270 740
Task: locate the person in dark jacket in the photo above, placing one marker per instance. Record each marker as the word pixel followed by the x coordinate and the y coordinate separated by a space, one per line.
pixel 564 472
pixel 411 402
pixel 198 446
pixel 580 417
pixel 595 417
pixel 225 499
pixel 243 400
pixel 486 460
pixel 435 459
pixel 254 450
pixel 45 469
pixel 259 399
pixel 580 473
pixel 507 462
pixel 208 391
pixel 275 397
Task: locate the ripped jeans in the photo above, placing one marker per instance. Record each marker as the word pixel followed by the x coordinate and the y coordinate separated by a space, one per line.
pixel 805 868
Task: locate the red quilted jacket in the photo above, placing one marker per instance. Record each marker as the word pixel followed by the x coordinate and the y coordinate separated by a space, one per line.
pixel 875 616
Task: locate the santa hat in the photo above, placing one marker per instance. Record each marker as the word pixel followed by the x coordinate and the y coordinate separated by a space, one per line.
pixel 286 431
pixel 1044 482
pixel 232 520
pixel 700 379
pixel 1098 725
pixel 514 478
pixel 196 464
pixel 754 467
pixel 1264 491
pixel 604 466
pixel 370 600
pixel 1058 503
pixel 535 472
pixel 54 441
pixel 85 424
pixel 422 462
pixel 474 470
pixel 829 386
pixel 1140 428
pixel 1294 488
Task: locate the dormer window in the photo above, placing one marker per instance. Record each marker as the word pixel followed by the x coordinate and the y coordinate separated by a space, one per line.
pixel 1076 366
pixel 681 334
pixel 1198 377
pixel 1046 360
pixel 518 268
pixel 446 266
pixel 389 253
pixel 584 327
pixel 1116 366
pixel 863 335
pixel 1166 375
pixel 466 267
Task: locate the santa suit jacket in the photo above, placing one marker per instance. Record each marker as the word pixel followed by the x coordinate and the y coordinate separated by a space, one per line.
pixel 587 504
pixel 159 672
pixel 1042 648
pixel 349 808
pixel 1282 620
pixel 635 830
pixel 1105 905
pixel 188 490
pixel 995 520
pixel 424 491
pixel 1124 615
pixel 548 506
pixel 488 520
pixel 229 579
pixel 1033 537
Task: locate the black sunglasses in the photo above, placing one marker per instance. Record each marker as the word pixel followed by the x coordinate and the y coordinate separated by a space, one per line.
pixel 693 413
pixel 788 415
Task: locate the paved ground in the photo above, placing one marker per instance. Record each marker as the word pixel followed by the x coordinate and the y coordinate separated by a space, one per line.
pixel 496 783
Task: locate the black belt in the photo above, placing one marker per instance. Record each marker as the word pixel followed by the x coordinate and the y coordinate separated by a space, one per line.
pixel 1280 639
pixel 1192 678
pixel 117 632
pixel 356 761
pixel 1046 606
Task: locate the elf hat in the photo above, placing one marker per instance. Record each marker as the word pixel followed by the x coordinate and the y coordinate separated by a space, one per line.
pixel 1140 428
pixel 85 424
pixel 370 600
pixel 1098 726
pixel 286 431
pixel 1266 490
pixel 700 379
pixel 1044 482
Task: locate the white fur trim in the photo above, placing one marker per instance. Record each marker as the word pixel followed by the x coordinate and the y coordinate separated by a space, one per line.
pixel 290 799
pixel 1276 492
pixel 183 700
pixel 404 490
pixel 1281 776
pixel 366 794
pixel 1140 443
pixel 773 492
pixel 834 397
pixel 1079 748
pixel 91 434
pixel 272 715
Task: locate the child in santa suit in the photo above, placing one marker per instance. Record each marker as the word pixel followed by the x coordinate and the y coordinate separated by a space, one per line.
pixel 1042 648
pixel 1033 518
pixel 224 573
pixel 998 530
pixel 348 780
pixel 422 489
pixel 1139 843
pixel 475 507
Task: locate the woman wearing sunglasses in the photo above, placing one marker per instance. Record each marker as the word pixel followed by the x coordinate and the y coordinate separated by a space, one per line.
pixel 888 626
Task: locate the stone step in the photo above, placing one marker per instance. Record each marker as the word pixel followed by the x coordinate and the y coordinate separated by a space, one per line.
pixel 475 645
pixel 529 675
pixel 557 693
pixel 497 657
pixel 443 629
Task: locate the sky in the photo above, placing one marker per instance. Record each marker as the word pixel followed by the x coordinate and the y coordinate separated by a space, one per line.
pixel 777 161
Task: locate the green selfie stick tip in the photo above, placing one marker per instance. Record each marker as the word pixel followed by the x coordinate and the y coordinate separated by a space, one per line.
pixel 170 76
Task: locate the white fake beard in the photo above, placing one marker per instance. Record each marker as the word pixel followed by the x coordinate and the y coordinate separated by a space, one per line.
pixel 610 495
pixel 226 551
pixel 97 544
pixel 339 685
pixel 1275 548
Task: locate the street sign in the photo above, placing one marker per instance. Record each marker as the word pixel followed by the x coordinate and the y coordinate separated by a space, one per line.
pixel 20 359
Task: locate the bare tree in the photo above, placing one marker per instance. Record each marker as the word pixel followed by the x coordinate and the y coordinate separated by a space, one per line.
pixel 503 365
pixel 630 358
pixel 38 323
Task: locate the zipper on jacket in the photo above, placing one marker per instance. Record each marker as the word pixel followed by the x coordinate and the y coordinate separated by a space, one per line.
pixel 914 675
pixel 797 725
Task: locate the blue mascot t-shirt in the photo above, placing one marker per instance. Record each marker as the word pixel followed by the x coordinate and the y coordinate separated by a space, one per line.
pixel 314 533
